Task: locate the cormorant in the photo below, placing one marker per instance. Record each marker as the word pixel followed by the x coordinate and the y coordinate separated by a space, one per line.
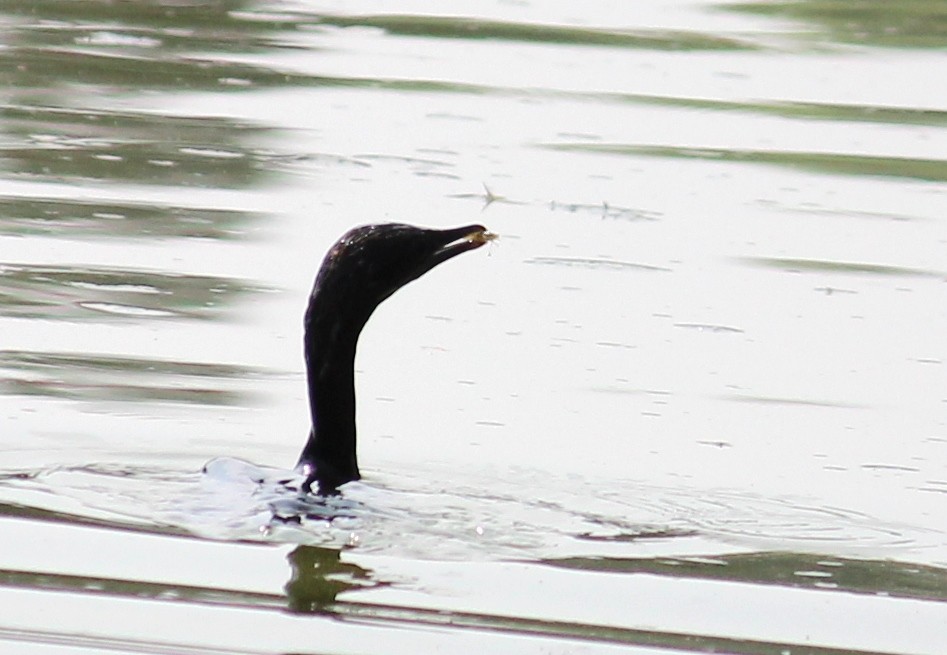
pixel 364 267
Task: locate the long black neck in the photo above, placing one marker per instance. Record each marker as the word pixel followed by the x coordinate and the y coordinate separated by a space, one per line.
pixel 329 455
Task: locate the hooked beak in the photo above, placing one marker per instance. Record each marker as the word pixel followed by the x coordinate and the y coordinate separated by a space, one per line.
pixel 459 240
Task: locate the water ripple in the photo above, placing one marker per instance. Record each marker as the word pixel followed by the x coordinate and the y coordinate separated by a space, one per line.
pixel 524 516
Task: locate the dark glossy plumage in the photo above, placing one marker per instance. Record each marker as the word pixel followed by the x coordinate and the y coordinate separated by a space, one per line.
pixel 362 269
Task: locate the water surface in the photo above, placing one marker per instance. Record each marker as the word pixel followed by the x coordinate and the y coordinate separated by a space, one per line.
pixel 693 399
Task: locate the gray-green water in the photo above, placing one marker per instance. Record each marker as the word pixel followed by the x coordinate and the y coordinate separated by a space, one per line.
pixel 694 399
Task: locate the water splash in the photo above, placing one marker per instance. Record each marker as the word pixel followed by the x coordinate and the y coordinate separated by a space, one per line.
pixel 424 513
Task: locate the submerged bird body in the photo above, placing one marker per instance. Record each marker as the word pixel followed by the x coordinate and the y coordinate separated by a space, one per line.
pixel 361 270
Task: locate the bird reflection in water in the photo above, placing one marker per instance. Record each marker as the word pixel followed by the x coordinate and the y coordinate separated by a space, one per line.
pixel 319 575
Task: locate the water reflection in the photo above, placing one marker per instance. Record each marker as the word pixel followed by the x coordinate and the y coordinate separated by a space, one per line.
pixel 80 376
pixel 320 581
pixel 218 26
pixel 132 589
pixel 60 56
pixel 43 515
pixel 318 576
pixel 849 113
pixel 928 170
pixel 97 91
pixel 29 68
pixel 851 268
pixel 597 264
pixel 55 144
pixel 788 569
pixel 915 24
pixel 103 219
pixel 76 292
pixel 454 27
